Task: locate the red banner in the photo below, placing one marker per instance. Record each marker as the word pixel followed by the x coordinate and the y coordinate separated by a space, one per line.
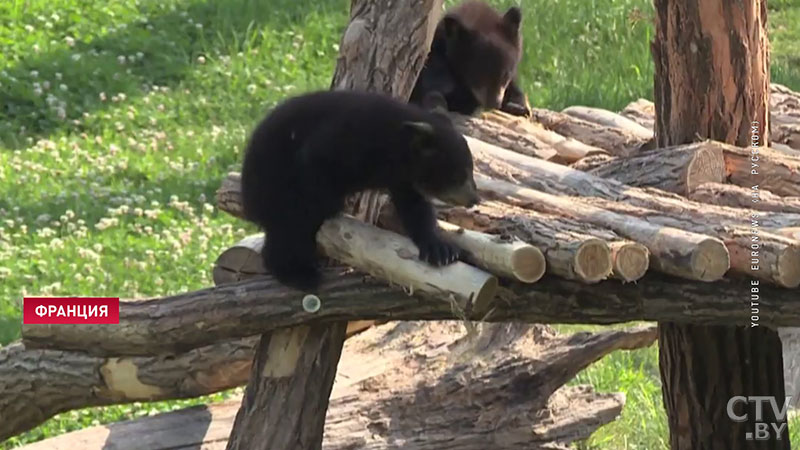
pixel 81 310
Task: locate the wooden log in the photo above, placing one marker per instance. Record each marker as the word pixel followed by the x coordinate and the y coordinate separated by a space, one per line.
pixel 606 118
pixel 488 131
pixel 556 235
pixel 741 197
pixel 358 249
pixel 641 111
pixel 677 169
pixel 673 251
pixel 500 255
pixel 616 141
pixel 571 253
pixel 790 232
pixel 771 170
pixel 556 179
pixel 38 384
pixel 784 118
pixel 393 375
pixel 657 208
pixel 521 135
pixel 169 325
pixel 389 256
pixel 630 260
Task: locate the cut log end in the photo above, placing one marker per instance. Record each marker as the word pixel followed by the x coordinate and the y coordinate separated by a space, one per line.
pixel 485 295
pixel 593 260
pixel 528 263
pixel 707 166
pixel 630 260
pixel 710 260
pixel 789 267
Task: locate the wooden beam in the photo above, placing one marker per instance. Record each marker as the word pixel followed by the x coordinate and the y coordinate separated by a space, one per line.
pixel 392 376
pixel 174 324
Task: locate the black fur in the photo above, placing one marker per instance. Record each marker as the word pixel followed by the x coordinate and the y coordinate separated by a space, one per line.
pixel 473 61
pixel 313 150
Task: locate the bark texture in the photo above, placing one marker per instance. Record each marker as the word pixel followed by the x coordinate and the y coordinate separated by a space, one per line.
pixel 784 108
pixel 608 118
pixel 616 141
pixel 712 81
pixel 679 169
pixel 256 306
pixel 37 384
pixel 674 251
pixel 622 205
pixel 394 378
pixel 737 196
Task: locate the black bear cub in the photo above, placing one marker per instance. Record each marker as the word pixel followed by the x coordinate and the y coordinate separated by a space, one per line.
pixel 473 60
pixel 313 150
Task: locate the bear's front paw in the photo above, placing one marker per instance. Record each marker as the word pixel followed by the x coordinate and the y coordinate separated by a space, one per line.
pixel 438 252
pixel 305 279
pixel 516 109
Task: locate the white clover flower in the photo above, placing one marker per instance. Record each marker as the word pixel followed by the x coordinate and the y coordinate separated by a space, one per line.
pixel 63 87
pixel 29 28
pixel 76 57
pixel 70 41
pixel 251 88
pixel 34 73
pixel 201 59
pixel 121 59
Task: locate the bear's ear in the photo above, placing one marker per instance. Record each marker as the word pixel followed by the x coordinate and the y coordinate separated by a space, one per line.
pixel 513 18
pixel 435 102
pixel 420 135
pixel 420 129
pixel 453 29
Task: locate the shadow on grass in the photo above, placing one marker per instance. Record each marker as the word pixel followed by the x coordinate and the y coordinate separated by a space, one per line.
pixel 167 43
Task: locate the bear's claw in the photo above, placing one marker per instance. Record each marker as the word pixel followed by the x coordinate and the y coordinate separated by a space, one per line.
pixel 439 253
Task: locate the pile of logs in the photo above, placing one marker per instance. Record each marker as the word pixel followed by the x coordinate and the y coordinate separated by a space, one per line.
pixel 582 221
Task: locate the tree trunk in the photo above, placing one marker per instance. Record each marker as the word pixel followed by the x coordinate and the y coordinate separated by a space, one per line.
pixel 712 81
pixel 784 125
pixel 286 400
pixel 679 170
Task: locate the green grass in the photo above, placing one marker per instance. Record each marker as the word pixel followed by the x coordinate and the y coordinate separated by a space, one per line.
pixel 118 120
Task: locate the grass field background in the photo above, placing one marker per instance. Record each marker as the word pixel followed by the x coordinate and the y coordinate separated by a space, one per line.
pixel 118 119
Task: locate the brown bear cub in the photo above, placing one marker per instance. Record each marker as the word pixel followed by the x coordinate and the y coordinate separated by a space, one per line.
pixel 473 60
pixel 313 150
